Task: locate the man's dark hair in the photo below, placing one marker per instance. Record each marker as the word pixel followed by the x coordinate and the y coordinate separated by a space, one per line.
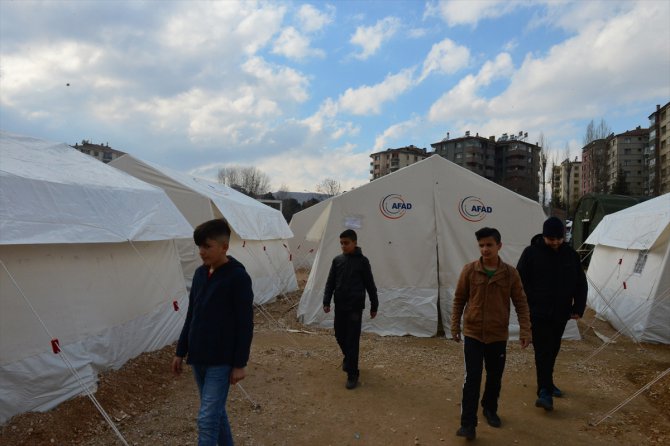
pixel 216 229
pixel 488 232
pixel 350 234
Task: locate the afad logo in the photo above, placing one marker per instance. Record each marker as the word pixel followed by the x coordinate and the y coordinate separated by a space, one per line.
pixel 473 209
pixel 393 206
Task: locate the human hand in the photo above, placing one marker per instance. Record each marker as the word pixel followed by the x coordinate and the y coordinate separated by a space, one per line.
pixel 456 337
pixel 176 366
pixel 326 308
pixel 575 316
pixel 373 314
pixel 525 342
pixel 237 375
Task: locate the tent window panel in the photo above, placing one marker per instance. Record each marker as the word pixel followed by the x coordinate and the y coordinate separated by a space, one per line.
pixel 641 261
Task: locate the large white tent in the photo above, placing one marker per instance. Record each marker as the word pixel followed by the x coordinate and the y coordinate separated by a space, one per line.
pixel 88 264
pixel 259 231
pixel 417 228
pixel 629 272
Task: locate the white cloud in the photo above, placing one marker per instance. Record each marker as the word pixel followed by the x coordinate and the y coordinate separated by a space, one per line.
pixel 294 45
pixel 277 81
pixel 462 101
pixel 394 132
pixel 458 12
pixel 370 99
pixel 445 57
pixel 311 19
pixel 227 26
pixel 584 77
pixel 371 38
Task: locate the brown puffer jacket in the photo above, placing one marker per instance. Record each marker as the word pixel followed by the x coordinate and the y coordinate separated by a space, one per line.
pixel 485 303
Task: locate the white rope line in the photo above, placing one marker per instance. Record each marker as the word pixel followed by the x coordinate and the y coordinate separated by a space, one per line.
pixel 65 359
pixel 630 398
pixel 254 404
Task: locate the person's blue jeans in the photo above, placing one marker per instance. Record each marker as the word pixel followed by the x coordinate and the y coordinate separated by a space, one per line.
pixel 213 384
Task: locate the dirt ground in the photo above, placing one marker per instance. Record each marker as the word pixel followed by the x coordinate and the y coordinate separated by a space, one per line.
pixel 410 392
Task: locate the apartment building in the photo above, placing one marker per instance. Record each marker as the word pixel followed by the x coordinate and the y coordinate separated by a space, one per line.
pixel 657 152
pixel 509 161
pixel 101 152
pixel 570 183
pixel 594 167
pixel 626 157
pixel 390 160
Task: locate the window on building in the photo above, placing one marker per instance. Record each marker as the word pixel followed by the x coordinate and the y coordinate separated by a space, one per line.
pixel 459 156
pixel 626 140
pixel 626 151
pixel 641 261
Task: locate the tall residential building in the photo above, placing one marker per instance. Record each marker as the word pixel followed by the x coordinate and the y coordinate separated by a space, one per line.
pixel 571 183
pixel 101 152
pixel 658 151
pixel 625 155
pixel 594 167
pixel 390 160
pixel 509 161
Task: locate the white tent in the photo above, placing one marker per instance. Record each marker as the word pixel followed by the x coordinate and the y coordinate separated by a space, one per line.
pixel 259 231
pixel 629 272
pixel 303 249
pixel 87 258
pixel 417 228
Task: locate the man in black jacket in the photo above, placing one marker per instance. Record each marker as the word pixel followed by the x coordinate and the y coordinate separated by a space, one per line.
pixel 217 332
pixel 349 278
pixel 555 283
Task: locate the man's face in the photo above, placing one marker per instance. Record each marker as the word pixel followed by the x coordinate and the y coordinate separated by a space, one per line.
pixel 213 252
pixel 553 242
pixel 348 246
pixel 488 248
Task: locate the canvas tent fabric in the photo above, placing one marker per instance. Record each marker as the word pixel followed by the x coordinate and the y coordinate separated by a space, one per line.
pixel 417 228
pixel 629 273
pixel 303 249
pixel 87 257
pixel 259 232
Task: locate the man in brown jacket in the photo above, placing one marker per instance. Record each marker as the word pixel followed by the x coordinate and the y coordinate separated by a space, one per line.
pixel 485 288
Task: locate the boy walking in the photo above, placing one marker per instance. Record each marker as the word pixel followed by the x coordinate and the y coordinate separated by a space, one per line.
pixel 349 278
pixel 556 286
pixel 482 297
pixel 217 332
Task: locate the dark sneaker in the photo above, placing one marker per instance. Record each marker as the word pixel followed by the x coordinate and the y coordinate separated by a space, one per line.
pixel 468 432
pixel 557 393
pixel 352 382
pixel 492 418
pixel 544 400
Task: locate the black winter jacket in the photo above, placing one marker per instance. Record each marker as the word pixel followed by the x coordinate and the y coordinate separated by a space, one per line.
pixel 349 277
pixel 554 281
pixel 219 323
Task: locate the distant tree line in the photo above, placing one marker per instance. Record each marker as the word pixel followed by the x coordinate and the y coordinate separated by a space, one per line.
pixel 255 183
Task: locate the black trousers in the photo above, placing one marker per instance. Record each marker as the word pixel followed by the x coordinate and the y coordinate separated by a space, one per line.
pixel 348 335
pixel 547 335
pixel 492 356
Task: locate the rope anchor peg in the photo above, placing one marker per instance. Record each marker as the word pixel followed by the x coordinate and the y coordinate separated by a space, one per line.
pixel 175 305
pixel 55 346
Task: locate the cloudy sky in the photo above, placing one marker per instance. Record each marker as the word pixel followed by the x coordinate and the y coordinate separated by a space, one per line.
pixel 306 91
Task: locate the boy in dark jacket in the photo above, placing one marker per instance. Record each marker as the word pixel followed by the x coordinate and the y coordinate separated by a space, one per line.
pixel 349 278
pixel 555 284
pixel 217 332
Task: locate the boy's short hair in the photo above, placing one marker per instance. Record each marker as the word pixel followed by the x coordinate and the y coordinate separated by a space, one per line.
pixel 488 232
pixel 216 229
pixel 350 234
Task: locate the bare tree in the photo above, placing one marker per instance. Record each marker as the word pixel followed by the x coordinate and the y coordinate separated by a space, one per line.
pixel 595 149
pixel 329 187
pixel 593 131
pixel 544 147
pixel 246 179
